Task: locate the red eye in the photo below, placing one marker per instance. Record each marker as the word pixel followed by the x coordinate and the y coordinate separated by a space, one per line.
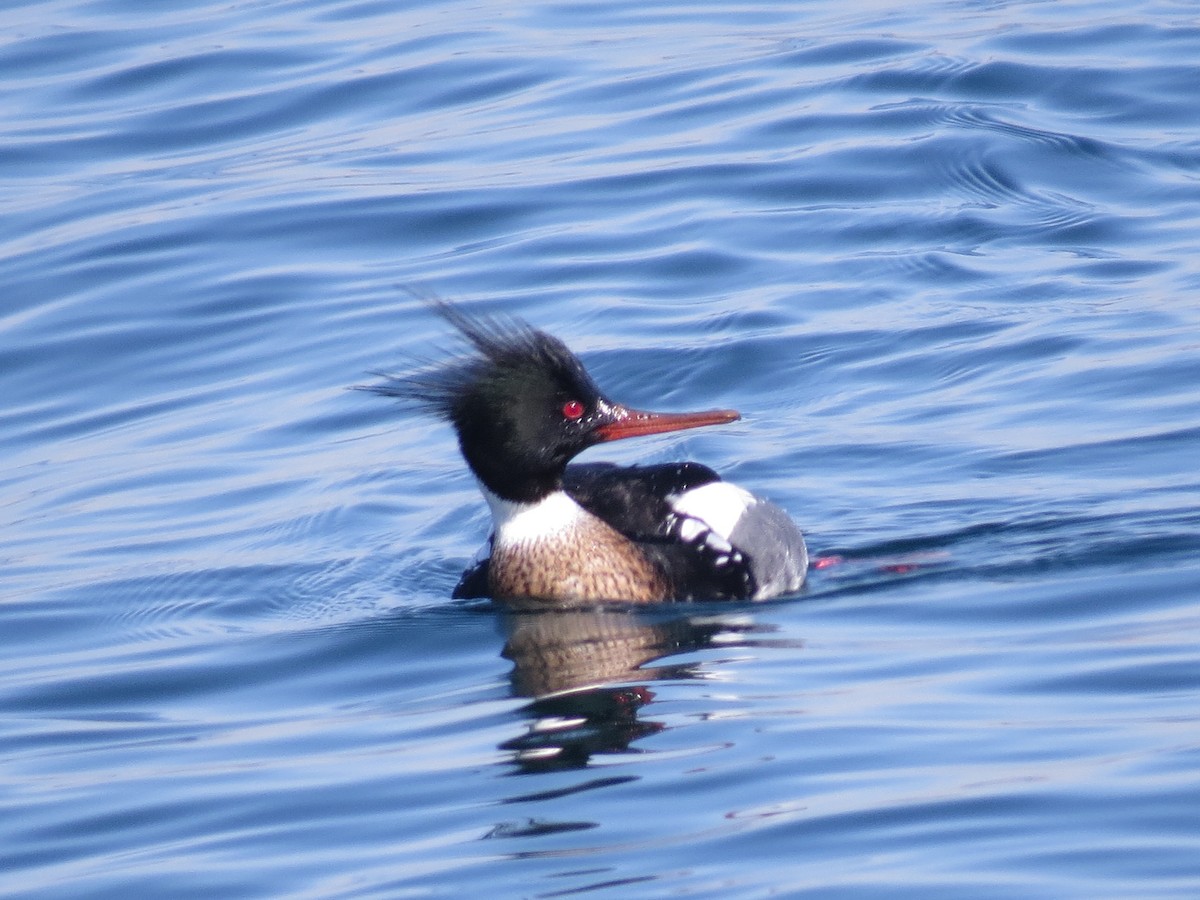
pixel 572 409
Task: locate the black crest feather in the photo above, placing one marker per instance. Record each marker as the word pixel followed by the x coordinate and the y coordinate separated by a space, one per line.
pixel 500 345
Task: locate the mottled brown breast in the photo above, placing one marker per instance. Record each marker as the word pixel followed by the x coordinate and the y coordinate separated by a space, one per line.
pixel 592 563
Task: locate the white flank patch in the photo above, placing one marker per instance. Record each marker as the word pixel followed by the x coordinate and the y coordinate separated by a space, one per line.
pixel 520 523
pixel 717 504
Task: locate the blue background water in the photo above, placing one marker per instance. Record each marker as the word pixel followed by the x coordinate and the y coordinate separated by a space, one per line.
pixel 945 258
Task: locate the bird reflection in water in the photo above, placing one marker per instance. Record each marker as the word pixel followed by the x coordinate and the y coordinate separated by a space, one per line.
pixel 588 673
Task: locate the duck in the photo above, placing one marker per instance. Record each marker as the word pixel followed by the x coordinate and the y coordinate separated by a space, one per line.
pixel 523 406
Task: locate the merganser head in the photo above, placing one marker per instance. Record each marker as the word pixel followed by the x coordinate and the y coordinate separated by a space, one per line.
pixel 523 406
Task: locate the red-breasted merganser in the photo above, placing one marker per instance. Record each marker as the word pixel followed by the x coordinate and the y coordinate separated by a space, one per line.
pixel 523 406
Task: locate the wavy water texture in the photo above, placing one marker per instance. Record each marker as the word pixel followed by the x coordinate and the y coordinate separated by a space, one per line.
pixel 943 258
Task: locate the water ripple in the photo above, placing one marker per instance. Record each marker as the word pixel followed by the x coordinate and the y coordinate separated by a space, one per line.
pixel 942 259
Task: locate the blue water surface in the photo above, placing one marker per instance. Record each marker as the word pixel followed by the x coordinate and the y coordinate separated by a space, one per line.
pixel 943 256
